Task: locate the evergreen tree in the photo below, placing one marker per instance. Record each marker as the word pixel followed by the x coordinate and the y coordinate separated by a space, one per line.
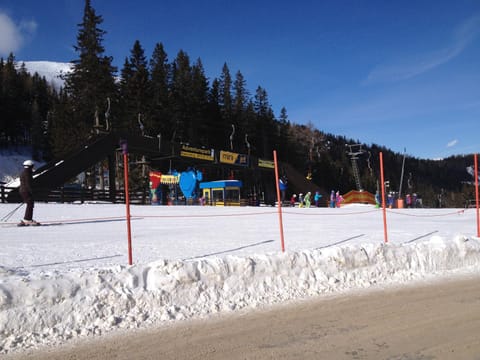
pixel 13 128
pixel 160 71
pixel 198 132
pixel 41 100
pixel 225 101
pixel 265 130
pixel 214 122
pixel 240 102
pixel 61 128
pixel 135 92
pixel 181 92
pixel 283 147
pixel 241 94
pixel 91 82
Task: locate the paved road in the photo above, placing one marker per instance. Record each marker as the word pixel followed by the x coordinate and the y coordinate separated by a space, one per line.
pixel 435 321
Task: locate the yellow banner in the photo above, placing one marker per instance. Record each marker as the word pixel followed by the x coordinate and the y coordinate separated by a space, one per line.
pixel 170 179
pixel 202 154
pixel 266 164
pixel 228 157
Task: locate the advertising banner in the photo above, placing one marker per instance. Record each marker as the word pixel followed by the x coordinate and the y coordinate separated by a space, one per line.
pixel 227 157
pixel 268 164
pixel 196 153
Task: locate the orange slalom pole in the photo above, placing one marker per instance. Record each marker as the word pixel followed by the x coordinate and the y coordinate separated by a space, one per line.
pixel 127 200
pixel 279 200
pixel 384 207
pixel 475 158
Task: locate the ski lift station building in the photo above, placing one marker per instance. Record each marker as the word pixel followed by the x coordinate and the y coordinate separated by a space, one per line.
pixel 221 192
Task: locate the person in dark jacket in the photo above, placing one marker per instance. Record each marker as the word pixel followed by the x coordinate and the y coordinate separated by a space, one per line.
pixel 26 180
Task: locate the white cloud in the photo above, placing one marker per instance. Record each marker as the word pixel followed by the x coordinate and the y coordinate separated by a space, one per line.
pixel 13 36
pixel 407 68
pixel 452 143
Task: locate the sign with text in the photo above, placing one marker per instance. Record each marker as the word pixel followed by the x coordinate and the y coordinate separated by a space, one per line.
pixel 268 164
pixel 227 157
pixel 201 154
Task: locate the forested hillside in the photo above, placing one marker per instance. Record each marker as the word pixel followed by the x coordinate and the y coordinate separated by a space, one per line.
pixel 173 99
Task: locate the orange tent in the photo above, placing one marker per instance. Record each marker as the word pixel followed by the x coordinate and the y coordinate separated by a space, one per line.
pixel 358 197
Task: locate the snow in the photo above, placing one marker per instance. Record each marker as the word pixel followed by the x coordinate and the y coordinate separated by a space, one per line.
pixel 70 278
pixel 51 70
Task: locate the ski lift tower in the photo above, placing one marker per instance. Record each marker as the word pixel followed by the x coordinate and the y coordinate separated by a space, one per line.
pixel 354 151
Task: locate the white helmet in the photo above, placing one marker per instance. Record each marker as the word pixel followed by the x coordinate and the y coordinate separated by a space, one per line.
pixel 27 163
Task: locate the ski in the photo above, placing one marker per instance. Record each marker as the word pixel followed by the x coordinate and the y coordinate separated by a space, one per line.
pixel 34 223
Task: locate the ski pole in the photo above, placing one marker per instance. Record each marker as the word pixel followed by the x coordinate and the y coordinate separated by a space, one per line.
pixel 9 215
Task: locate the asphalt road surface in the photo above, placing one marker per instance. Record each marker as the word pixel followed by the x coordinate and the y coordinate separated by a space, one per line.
pixel 431 321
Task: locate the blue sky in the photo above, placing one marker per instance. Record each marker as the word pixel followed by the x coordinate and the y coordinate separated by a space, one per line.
pixel 403 74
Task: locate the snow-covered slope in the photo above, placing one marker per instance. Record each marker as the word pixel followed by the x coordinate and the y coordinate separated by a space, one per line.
pixel 49 69
pixel 72 280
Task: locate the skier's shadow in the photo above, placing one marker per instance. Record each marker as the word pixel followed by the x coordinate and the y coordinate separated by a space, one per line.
pixel 228 251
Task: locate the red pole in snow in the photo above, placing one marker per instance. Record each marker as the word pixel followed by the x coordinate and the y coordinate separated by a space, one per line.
pixel 476 193
pixel 127 199
pixel 279 200
pixel 384 207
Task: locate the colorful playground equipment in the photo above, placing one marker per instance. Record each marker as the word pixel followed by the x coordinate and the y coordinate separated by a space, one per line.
pixel 221 192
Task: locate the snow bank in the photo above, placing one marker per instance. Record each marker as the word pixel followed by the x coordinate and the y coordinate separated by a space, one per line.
pixel 51 307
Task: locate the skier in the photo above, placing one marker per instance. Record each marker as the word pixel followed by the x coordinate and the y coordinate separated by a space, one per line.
pixel 338 198
pixel 317 198
pixel 377 200
pixel 332 199
pixel 308 199
pixel 26 179
pixel 409 201
pixel 390 200
pixel 292 200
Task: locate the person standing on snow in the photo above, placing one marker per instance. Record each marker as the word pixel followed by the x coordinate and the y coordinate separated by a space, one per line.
pixel 378 202
pixel 317 198
pixel 332 199
pixel 292 200
pixel 26 192
pixel 308 199
pixel 338 198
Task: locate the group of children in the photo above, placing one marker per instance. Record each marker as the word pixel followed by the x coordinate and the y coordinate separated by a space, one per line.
pixel 306 200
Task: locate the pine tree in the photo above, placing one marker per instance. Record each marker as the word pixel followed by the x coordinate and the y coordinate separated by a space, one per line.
pixel 91 82
pixel 240 102
pixel 160 71
pixel 135 92
pixel 198 131
pixel 14 111
pixel 61 129
pixel 226 105
pixel 283 147
pixel 180 94
pixel 214 120
pixel 265 122
pixel 41 100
